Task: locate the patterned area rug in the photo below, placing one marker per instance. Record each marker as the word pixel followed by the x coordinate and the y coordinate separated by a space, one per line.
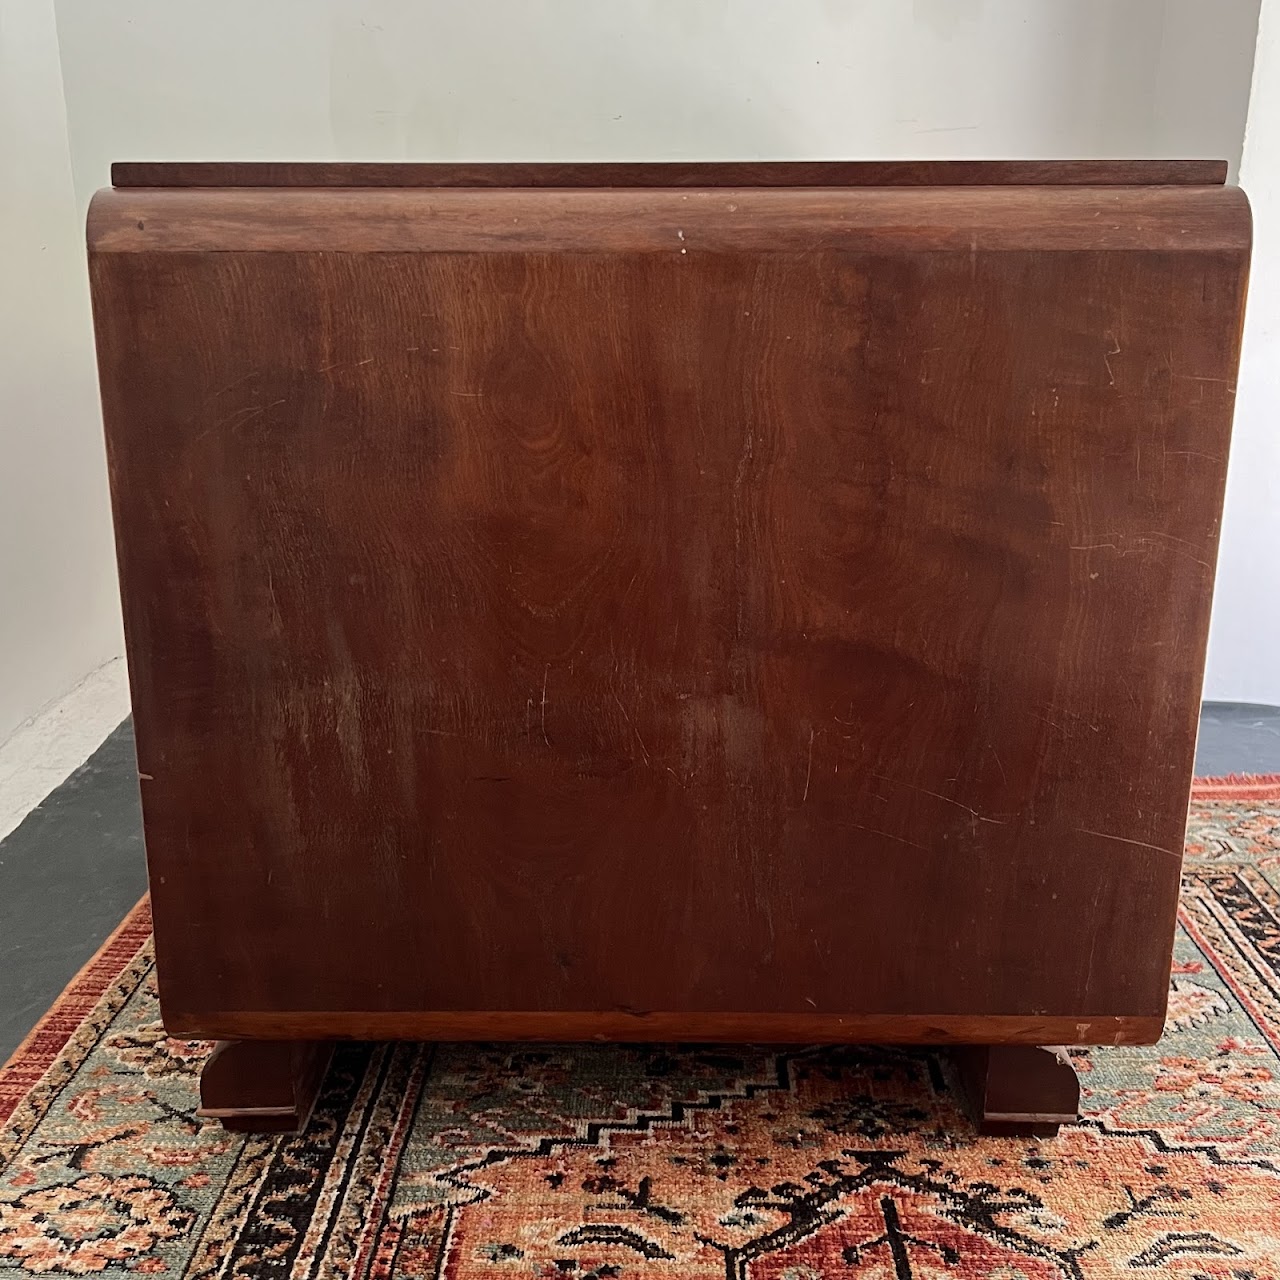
pixel 645 1162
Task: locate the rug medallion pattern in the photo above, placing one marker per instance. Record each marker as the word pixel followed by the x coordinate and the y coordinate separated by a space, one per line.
pixel 673 1163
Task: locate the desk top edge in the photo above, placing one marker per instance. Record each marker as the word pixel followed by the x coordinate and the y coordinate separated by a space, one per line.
pixel 971 219
pixel 787 173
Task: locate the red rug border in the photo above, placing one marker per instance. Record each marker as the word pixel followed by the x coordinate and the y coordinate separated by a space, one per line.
pixel 37 1053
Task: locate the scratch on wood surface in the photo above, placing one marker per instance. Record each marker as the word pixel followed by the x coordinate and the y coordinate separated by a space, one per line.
pixel 1159 533
pixel 1106 358
pixel 857 826
pixel 924 791
pixel 744 461
pixel 237 418
pixel 739 481
pixel 643 750
pixel 244 413
pixel 808 773
pixel 1093 940
pixel 1142 844
pixel 344 364
pixel 353 364
pixel 1146 542
pixel 253 373
pixel 1187 548
pixel 545 676
pixel 1140 538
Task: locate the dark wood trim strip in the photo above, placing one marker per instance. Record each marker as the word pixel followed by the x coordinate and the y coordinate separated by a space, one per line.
pixel 776 1028
pixel 954 219
pixel 773 173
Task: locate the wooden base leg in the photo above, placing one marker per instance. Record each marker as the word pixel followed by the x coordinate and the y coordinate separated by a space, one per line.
pixel 1018 1090
pixel 263 1086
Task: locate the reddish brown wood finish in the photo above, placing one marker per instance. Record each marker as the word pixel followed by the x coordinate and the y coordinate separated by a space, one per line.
pixel 762 1028
pixel 1018 1090
pixel 682 613
pixel 263 1086
pixel 795 173
pixel 633 226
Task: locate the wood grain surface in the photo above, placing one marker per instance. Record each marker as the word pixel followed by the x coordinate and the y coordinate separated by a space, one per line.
pixel 773 173
pixel 673 224
pixel 807 624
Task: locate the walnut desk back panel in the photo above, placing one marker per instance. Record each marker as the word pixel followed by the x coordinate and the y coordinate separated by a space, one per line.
pixel 722 602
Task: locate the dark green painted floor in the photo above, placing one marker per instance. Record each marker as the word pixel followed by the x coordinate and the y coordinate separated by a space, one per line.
pixel 68 874
pixel 74 867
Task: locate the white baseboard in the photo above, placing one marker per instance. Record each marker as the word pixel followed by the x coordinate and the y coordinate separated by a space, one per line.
pixel 41 754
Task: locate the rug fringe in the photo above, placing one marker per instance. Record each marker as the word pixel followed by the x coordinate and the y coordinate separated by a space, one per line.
pixel 1237 786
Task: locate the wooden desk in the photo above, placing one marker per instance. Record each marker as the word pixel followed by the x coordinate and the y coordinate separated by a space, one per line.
pixel 758 602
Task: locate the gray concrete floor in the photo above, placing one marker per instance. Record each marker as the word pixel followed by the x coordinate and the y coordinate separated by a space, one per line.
pixel 74 867
pixel 1237 737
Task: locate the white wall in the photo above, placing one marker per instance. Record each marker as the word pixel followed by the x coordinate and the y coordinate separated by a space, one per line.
pixel 655 79
pixel 652 79
pixel 58 614
pixel 1244 644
